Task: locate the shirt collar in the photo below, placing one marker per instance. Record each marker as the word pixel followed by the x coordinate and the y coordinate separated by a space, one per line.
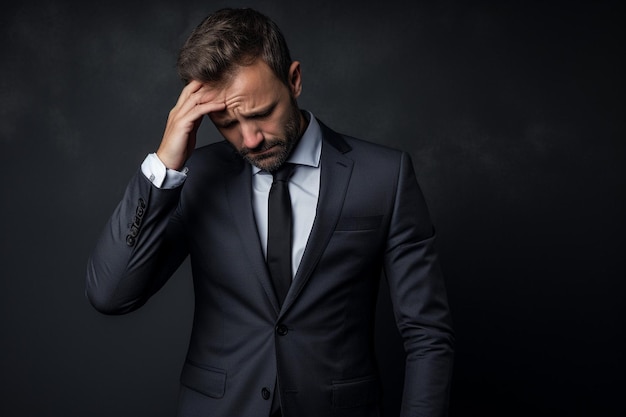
pixel 309 147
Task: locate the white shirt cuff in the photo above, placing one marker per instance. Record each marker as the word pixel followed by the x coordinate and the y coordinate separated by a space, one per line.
pixel 161 176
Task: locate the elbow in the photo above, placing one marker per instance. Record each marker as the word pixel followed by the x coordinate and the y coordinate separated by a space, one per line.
pixel 430 343
pixel 104 297
pixel 105 305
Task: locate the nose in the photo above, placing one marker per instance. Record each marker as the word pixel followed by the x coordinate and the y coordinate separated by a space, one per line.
pixel 252 135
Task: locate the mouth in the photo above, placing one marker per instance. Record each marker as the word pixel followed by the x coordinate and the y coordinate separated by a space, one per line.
pixel 264 151
pixel 268 156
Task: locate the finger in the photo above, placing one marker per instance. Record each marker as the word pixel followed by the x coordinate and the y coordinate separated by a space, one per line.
pixel 210 107
pixel 187 91
pixel 204 95
pixel 208 93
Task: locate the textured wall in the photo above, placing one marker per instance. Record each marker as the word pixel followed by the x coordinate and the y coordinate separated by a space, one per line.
pixel 514 116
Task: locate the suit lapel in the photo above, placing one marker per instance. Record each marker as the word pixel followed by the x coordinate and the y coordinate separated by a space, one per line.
pixel 336 169
pixel 239 194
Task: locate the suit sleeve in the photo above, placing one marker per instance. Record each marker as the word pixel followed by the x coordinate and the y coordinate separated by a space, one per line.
pixel 138 250
pixel 419 301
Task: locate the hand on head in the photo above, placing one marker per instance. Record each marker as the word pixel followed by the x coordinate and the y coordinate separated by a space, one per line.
pixel 179 140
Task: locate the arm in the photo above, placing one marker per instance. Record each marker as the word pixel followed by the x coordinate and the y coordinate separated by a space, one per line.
pixel 419 301
pixel 142 244
pixel 138 250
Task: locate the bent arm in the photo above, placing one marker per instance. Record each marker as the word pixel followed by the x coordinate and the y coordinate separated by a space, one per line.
pixel 138 250
pixel 419 301
pixel 141 245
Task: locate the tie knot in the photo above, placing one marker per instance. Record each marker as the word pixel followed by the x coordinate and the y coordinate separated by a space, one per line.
pixel 284 172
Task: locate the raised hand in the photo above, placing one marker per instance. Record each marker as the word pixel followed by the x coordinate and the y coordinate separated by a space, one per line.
pixel 179 139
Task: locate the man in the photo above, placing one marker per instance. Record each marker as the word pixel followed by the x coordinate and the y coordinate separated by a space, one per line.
pixel 260 346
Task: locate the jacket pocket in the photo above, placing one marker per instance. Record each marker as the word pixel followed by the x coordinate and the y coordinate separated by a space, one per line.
pixel 355 392
pixel 347 224
pixel 204 379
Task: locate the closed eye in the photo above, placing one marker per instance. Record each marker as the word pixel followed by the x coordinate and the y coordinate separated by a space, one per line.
pixel 263 114
pixel 227 124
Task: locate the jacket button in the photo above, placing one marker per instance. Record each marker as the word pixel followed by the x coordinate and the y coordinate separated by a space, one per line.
pixel 265 393
pixel 282 330
pixel 130 241
pixel 134 231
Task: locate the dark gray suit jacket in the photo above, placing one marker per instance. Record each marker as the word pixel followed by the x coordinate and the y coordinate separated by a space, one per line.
pixel 371 216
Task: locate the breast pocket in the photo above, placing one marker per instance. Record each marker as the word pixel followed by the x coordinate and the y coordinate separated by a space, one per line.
pixel 348 224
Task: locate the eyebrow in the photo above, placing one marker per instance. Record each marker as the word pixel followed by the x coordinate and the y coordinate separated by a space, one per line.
pixel 263 111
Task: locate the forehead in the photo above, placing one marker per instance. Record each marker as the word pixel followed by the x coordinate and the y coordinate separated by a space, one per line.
pixel 252 85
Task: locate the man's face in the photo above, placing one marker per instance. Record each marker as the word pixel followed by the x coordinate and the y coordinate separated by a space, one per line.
pixel 261 119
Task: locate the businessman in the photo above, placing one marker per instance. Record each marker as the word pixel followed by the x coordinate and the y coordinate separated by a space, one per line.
pixel 288 226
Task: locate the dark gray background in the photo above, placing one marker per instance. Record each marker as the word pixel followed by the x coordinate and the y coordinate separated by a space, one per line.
pixel 514 116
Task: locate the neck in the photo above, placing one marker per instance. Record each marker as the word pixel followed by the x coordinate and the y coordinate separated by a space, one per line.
pixel 304 122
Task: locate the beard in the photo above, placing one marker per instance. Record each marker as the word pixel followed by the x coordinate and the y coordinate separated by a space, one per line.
pixel 278 148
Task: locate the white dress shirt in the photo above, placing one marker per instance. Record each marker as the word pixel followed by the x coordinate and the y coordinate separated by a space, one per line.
pixel 304 188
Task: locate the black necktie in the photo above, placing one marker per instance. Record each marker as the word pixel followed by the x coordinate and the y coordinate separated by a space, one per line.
pixel 279 233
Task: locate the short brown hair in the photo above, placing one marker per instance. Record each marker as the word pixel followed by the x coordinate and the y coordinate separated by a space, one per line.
pixel 230 38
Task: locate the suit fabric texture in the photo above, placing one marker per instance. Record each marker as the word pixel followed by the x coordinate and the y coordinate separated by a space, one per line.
pixel 318 348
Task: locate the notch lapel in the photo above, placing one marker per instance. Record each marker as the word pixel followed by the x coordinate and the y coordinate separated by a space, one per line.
pixel 336 170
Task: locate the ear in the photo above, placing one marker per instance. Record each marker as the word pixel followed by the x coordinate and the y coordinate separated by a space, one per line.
pixel 295 79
